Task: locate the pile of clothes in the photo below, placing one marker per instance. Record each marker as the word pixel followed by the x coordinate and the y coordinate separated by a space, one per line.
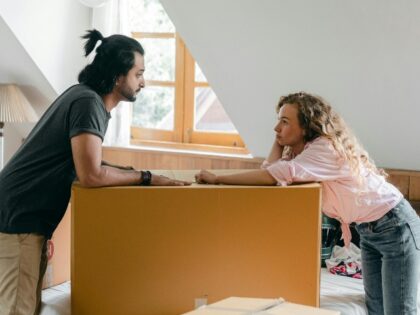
pixel 345 261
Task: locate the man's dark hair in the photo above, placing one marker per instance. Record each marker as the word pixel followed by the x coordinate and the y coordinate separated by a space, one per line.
pixel 114 57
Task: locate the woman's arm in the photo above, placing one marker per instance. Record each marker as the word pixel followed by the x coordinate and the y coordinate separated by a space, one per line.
pixel 256 177
pixel 318 162
pixel 276 152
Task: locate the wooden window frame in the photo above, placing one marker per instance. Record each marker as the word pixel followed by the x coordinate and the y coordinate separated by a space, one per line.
pixel 184 85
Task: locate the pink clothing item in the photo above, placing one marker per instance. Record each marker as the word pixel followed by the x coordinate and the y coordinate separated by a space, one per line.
pixel 342 198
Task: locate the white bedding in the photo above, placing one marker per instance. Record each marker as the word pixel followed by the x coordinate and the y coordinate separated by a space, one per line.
pixel 56 300
pixel 342 294
pixel 337 293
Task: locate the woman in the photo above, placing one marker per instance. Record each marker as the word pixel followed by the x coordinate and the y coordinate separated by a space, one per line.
pixel 313 144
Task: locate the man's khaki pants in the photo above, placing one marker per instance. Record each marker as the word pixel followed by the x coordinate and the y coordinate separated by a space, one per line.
pixel 23 261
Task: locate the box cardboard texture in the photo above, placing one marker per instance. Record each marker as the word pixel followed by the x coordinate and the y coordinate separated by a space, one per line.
pixel 154 250
pixel 247 306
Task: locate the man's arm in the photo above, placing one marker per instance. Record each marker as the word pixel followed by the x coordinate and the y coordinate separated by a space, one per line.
pixel 87 157
pixel 127 168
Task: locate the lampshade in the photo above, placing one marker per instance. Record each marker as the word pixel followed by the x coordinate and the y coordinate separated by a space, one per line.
pixel 14 107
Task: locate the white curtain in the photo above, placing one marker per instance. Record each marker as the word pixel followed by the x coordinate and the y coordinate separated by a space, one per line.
pixel 112 18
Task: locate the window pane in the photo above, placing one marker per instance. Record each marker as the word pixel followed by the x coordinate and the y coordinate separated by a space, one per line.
pixel 199 75
pixel 209 114
pixel 148 16
pixel 154 108
pixel 159 58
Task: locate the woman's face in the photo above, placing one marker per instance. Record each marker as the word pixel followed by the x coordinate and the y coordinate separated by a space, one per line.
pixel 288 130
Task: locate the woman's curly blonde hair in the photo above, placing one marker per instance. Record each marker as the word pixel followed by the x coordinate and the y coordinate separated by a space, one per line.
pixel 317 119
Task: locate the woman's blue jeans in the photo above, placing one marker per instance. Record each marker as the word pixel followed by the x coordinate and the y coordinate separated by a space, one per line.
pixel 390 261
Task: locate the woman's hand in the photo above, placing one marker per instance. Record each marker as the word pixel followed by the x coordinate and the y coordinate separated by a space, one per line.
pixel 205 177
pixel 276 152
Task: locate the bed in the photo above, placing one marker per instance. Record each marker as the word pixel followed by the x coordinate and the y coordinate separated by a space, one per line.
pixel 56 300
pixel 342 294
pixel 337 293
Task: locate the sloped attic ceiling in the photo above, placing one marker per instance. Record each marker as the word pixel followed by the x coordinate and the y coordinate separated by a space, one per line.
pixel 16 66
pixel 362 56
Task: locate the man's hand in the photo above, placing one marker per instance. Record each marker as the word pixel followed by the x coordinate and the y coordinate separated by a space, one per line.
pixel 159 180
pixel 205 177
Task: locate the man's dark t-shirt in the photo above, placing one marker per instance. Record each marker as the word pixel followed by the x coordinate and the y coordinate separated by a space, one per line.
pixel 35 185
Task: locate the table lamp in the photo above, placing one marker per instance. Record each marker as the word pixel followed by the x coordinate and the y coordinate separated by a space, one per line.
pixel 14 107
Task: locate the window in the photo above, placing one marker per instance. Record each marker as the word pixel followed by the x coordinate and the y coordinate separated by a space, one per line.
pixel 177 105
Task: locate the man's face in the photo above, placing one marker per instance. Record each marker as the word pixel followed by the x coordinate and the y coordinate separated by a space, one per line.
pixel 130 85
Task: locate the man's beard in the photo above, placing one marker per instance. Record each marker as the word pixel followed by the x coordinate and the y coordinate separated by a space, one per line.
pixel 128 94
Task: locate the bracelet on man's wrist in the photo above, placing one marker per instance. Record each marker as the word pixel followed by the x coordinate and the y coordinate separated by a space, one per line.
pixel 145 178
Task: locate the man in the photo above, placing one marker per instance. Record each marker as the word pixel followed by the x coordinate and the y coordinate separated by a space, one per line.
pixel 67 142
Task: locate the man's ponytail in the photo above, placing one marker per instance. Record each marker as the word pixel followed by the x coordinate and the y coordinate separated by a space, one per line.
pixel 92 36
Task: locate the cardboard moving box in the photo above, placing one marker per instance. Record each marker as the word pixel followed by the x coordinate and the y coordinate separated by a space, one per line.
pixel 155 250
pixel 251 306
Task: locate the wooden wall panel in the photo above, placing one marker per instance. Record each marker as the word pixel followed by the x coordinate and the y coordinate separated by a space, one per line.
pixel 414 190
pixel 148 159
pixel 401 181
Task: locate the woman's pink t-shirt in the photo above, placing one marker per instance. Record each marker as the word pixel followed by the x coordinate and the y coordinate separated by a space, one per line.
pixel 342 196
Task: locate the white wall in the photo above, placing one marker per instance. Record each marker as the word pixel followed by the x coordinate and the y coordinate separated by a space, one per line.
pixel 362 56
pixel 16 66
pixel 50 31
pixel 41 51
